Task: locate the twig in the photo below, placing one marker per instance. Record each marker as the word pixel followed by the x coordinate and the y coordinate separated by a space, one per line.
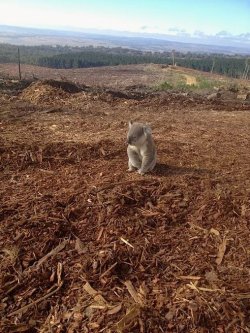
pixel 126 242
pixel 243 296
pixel 108 270
pixel 51 172
pixel 100 234
pixel 234 321
pixel 197 227
pixel 97 205
pixel 35 302
pixel 125 195
pixel 188 277
pixel 52 253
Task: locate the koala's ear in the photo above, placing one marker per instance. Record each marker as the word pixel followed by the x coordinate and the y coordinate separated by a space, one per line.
pixel 147 130
pixel 130 123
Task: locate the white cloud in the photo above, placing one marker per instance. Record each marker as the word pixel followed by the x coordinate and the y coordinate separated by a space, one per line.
pixel 199 33
pixel 223 33
pixel 175 29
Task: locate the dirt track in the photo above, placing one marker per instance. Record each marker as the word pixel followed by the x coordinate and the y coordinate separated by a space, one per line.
pixel 170 249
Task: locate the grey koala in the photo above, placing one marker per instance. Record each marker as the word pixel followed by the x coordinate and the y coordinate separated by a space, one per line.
pixel 141 148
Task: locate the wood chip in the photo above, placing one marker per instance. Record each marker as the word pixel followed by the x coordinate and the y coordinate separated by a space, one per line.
pixel 214 231
pixel 126 242
pixel 96 296
pixel 221 252
pixel 79 246
pixel 115 309
pixel 126 321
pixel 188 277
pixel 138 298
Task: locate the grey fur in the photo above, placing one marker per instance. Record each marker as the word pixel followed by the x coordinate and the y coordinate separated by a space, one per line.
pixel 141 148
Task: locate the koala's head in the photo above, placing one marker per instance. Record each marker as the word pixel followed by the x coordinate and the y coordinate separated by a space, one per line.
pixel 137 133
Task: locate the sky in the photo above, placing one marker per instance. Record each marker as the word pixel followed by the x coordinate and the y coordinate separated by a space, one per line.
pixel 174 17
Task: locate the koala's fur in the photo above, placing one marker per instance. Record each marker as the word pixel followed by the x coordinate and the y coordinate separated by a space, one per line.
pixel 141 148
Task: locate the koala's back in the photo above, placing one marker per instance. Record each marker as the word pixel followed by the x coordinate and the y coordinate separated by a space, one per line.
pixel 149 146
pixel 148 153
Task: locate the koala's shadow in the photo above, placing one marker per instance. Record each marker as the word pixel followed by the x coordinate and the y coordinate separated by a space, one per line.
pixel 166 170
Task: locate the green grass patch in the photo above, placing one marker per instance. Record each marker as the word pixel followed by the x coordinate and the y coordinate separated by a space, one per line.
pixel 165 86
pixel 201 83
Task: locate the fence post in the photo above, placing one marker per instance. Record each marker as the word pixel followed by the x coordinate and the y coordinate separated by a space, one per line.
pixel 19 65
pixel 173 57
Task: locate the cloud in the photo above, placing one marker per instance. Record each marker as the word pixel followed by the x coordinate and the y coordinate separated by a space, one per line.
pixel 183 34
pixel 199 33
pixel 149 29
pixel 222 37
pixel 245 36
pixel 175 29
pixel 223 33
pixel 179 32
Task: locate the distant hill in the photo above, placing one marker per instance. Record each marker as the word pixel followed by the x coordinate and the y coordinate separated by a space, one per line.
pixel 89 56
pixel 144 42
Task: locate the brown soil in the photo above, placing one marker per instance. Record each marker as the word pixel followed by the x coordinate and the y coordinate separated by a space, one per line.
pixel 118 77
pixel 88 247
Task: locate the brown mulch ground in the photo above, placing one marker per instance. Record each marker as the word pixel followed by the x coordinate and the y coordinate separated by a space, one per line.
pixel 87 247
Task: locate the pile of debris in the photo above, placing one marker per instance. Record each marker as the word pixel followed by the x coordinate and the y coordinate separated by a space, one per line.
pixel 49 92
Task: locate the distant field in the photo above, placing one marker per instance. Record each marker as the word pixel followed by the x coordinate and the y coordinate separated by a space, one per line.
pixel 123 76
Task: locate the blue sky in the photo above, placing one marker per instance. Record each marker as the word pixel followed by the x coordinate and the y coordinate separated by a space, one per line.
pixel 176 17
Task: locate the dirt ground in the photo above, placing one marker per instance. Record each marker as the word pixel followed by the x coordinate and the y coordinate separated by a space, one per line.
pixel 116 77
pixel 120 77
pixel 88 247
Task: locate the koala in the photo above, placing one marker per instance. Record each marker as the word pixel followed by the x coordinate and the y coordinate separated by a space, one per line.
pixel 141 148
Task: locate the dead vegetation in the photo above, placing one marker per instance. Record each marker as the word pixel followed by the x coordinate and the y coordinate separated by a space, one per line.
pixel 87 247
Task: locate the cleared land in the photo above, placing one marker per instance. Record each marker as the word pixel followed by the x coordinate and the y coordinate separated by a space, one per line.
pixel 88 247
pixel 124 76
